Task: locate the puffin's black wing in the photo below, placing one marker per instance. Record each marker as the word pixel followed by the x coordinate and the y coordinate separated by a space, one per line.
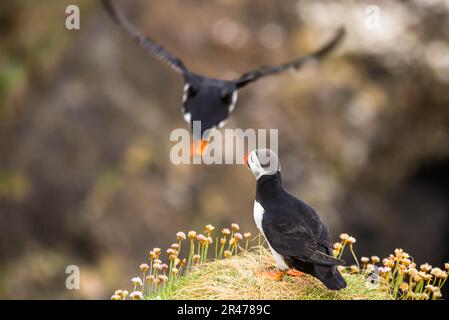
pixel 296 64
pixel 297 232
pixel 151 46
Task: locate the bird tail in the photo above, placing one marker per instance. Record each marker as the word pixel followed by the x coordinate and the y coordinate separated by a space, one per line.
pixel 333 280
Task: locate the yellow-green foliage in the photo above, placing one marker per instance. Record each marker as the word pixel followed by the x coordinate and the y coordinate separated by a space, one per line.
pixel 399 275
pixel 228 268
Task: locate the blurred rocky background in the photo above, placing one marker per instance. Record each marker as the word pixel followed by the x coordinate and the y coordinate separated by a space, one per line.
pixel 85 119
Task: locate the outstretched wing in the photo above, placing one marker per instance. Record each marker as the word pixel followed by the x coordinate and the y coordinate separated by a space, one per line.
pixel 296 64
pixel 299 235
pixel 151 46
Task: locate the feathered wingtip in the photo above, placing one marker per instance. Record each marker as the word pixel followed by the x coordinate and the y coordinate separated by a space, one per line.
pixel 149 45
pixel 335 41
pixel 320 53
pixel 325 260
pixel 333 281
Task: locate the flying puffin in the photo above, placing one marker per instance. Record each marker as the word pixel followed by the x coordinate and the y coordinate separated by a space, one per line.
pixel 297 238
pixel 207 100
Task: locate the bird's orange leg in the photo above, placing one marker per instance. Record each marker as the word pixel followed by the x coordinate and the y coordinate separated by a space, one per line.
pixel 294 273
pixel 275 275
pixel 198 148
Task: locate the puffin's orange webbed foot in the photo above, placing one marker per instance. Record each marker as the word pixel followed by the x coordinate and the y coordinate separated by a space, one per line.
pixel 273 275
pixel 198 148
pixel 295 273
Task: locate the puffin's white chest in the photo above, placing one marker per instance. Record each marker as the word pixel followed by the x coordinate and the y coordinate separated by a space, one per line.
pixel 258 212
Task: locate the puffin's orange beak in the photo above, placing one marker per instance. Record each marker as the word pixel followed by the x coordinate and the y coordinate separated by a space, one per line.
pixel 197 148
pixel 245 158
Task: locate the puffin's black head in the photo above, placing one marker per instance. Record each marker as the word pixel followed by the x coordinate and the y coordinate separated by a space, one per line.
pixel 207 102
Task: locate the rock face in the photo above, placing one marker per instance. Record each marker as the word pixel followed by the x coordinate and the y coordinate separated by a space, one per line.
pixel 85 119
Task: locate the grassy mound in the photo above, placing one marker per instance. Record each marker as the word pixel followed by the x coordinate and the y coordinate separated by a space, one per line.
pixel 212 272
pixel 239 277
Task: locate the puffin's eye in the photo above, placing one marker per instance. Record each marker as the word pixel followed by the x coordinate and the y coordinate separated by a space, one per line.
pixel 266 159
pixel 265 164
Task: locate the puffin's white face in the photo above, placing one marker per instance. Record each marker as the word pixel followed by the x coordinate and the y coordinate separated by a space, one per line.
pixel 263 162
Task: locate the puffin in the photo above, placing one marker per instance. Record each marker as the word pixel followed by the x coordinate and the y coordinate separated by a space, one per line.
pixel 299 241
pixel 209 101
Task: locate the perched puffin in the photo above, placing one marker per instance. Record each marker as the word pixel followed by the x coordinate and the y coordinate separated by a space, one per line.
pixel 207 100
pixel 297 238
